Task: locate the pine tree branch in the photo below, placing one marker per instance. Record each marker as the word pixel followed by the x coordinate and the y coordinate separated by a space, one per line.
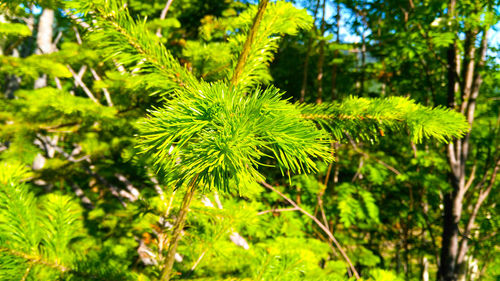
pixel 367 118
pixel 176 234
pixel 128 41
pixel 35 259
pixel 152 58
pixel 248 43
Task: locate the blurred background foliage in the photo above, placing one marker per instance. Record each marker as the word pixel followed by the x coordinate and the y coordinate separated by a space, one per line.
pixel 78 202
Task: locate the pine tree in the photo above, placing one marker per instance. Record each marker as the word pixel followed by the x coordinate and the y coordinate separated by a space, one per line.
pixel 207 136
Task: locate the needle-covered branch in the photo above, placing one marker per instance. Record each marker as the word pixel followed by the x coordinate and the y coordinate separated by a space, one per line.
pixel 367 119
pixel 129 42
pixel 222 134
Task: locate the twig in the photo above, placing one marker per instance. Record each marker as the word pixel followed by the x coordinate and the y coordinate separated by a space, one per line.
pixel 324 228
pixel 94 73
pixel 483 194
pixel 391 168
pixel 79 81
pixel 34 259
pixel 130 187
pixel 248 43
pixel 198 261
pixel 104 90
pixel 277 211
pixel 163 15
pixel 179 225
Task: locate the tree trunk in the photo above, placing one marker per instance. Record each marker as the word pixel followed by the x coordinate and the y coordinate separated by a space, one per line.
pixel 335 56
pixel 44 41
pixel 451 218
pixel 308 55
pixel 425 269
pixel 321 59
pixel 363 64
pixel 452 266
pixel 452 200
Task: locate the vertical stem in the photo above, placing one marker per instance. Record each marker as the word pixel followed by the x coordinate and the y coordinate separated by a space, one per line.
pixel 363 52
pixel 44 41
pixel 406 253
pixel 452 200
pixel 179 225
pixel 321 59
pixel 248 43
pixel 452 61
pixel 308 55
pixel 336 55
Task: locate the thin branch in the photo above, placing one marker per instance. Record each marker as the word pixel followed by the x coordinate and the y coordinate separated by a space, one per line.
pixel 79 81
pixel 94 73
pixel 324 228
pixel 177 229
pixel 472 176
pixel 27 272
pixel 130 187
pixel 56 40
pixel 248 43
pixel 58 83
pixel 78 20
pixel 104 90
pixel 163 15
pixel 483 194
pixel 86 202
pixel 431 233
pixel 198 261
pixel 34 259
pixel 358 171
pixel 356 148
pixel 277 211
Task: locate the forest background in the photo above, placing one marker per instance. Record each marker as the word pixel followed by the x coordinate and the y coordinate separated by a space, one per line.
pixel 80 199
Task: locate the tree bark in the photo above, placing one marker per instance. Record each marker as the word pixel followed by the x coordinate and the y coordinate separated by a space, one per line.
pixel 44 40
pixel 452 200
pixel 321 59
pixel 363 64
pixel 335 56
pixel 453 257
pixel 308 55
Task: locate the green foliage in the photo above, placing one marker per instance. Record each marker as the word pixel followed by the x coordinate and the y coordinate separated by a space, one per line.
pixel 48 104
pixel 218 133
pixel 280 18
pixel 130 42
pixel 42 237
pixel 33 66
pixel 365 119
pixel 85 202
pixel 356 205
pixel 14 29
